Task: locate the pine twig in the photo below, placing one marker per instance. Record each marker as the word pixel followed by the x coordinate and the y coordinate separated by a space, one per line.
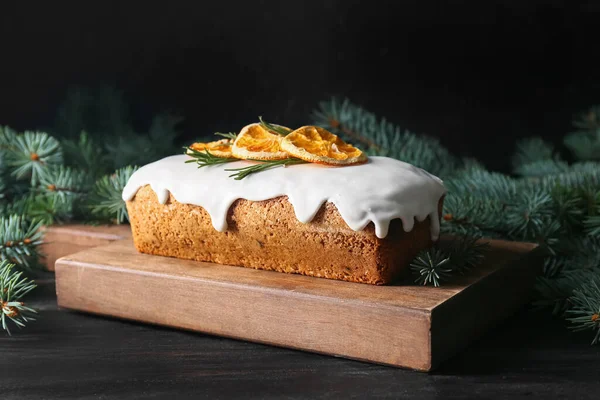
pixel 13 287
pixel 530 151
pixel 65 182
pixel 85 154
pixel 7 138
pixel 585 313
pixel 439 264
pixel 19 239
pixel 432 267
pixel 106 198
pixel 34 152
pixel 384 138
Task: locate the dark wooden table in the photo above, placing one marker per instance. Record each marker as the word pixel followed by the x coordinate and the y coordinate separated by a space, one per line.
pixel 76 356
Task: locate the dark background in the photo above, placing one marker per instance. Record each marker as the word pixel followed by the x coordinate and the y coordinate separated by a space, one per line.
pixel 476 74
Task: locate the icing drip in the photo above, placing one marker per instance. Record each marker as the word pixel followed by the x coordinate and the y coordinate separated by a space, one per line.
pixel 378 191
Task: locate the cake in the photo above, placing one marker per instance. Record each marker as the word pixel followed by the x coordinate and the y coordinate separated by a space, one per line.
pixel 359 223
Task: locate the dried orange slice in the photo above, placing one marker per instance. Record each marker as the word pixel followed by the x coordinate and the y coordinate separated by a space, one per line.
pixel 219 148
pixel 317 145
pixel 256 143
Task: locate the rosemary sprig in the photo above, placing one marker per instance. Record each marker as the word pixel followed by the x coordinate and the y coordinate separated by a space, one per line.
pixel 205 158
pixel 229 135
pixel 274 128
pixel 241 173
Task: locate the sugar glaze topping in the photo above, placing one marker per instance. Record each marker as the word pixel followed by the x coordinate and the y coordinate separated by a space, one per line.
pixel 378 191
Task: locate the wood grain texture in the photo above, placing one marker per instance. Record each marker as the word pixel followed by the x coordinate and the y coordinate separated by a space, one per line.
pixel 401 325
pixel 72 355
pixel 62 240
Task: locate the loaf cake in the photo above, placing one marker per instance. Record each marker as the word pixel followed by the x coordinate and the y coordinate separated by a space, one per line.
pixel 359 223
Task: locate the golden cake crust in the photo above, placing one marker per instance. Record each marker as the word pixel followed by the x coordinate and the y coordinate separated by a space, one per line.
pixel 267 235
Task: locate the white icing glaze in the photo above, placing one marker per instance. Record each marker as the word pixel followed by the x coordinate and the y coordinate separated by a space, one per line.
pixel 378 191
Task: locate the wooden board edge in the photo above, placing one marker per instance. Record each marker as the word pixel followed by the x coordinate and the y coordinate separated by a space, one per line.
pixel 75 283
pixel 63 240
pixel 488 304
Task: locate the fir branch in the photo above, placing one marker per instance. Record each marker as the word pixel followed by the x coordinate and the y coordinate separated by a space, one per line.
pixel 2 190
pixel 241 173
pixel 541 168
pixel 585 142
pixel 106 198
pixel 7 138
pixel 555 292
pixel 582 252
pixel 328 116
pixel 439 264
pixel 568 208
pixel 591 222
pixel 579 175
pixel 483 184
pixel 50 209
pixel 553 266
pixel 19 239
pixel 137 149
pixel 466 253
pixel 384 138
pixel 529 214
pixel 432 267
pixel 278 129
pixel 469 165
pixel 592 225
pixel 40 207
pixel 13 287
pixel 585 313
pixel 465 214
pixel 34 152
pixel 65 182
pixel 85 154
pixel 476 203
pixel 530 151
pixel 17 206
pixel 585 145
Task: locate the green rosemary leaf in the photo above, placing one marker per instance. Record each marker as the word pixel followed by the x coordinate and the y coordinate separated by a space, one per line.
pixel 274 128
pixel 205 158
pixel 228 135
pixel 241 173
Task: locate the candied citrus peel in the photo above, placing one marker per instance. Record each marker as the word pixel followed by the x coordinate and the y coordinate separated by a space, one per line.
pixel 256 143
pixel 218 148
pixel 317 145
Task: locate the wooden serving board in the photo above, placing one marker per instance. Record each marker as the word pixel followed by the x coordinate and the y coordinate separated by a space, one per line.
pixel 62 240
pixel 402 325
